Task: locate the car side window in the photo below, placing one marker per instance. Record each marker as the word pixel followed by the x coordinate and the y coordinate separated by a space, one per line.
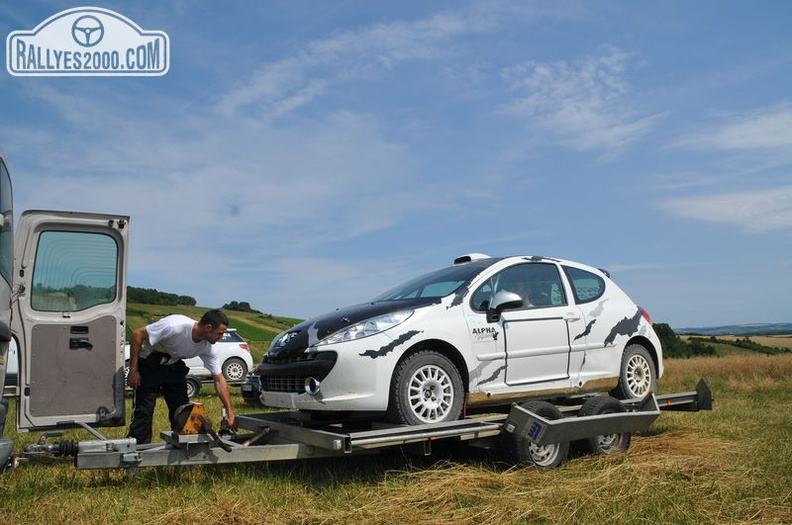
pixel 586 286
pixel 539 285
pixel 480 300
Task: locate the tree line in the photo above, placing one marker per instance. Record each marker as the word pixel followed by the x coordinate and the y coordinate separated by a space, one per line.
pixel 152 296
pixel 674 346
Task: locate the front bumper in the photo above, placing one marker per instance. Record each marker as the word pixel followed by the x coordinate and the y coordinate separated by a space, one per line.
pixel 349 378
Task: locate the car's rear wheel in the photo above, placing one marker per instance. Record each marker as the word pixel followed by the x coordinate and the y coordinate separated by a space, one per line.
pixel 426 388
pixel 637 375
pixel 234 369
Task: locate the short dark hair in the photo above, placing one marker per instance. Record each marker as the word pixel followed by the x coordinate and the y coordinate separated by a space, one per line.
pixel 214 318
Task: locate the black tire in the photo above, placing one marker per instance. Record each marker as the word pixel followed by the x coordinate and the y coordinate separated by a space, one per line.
pixel 604 444
pixel 522 451
pixel 637 374
pixel 426 388
pixel 193 387
pixel 234 369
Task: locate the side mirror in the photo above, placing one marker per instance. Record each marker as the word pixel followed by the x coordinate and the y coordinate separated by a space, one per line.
pixel 503 301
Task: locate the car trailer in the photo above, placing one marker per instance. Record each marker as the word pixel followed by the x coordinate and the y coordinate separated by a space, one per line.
pixel 536 432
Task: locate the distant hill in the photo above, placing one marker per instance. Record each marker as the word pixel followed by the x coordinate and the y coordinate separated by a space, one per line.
pixel 740 329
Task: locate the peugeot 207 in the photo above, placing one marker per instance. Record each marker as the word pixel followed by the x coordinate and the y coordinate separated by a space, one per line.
pixel 481 333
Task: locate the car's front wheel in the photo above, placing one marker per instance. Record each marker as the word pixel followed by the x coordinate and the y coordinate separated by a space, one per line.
pixel 426 388
pixel 637 375
pixel 234 369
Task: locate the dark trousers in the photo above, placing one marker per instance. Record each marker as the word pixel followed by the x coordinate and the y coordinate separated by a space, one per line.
pixel 156 379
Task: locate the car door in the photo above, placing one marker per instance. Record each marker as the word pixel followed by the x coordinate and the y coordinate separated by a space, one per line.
pixel 69 314
pixel 537 335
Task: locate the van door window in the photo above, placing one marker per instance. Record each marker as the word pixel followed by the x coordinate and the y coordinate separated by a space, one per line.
pixel 74 271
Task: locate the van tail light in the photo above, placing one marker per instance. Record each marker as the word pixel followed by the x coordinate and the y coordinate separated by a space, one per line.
pixel 645 315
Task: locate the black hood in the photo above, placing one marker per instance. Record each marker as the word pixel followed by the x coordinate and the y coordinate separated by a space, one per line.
pixel 302 335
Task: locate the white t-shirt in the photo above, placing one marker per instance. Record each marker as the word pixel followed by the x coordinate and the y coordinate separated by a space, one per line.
pixel 172 335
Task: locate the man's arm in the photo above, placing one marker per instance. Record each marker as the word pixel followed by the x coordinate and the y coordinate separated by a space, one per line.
pixel 222 392
pixel 135 344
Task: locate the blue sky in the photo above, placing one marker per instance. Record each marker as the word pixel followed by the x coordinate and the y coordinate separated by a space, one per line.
pixel 306 155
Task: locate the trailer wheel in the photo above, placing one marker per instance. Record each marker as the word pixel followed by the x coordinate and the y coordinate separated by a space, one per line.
pixel 426 388
pixel 610 443
pixel 523 451
pixel 193 387
pixel 637 375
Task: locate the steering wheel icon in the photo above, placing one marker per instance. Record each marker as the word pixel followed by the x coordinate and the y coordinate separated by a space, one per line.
pixel 87 31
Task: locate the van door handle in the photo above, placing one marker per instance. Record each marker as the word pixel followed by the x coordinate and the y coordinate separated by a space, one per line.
pixel 571 317
pixel 80 342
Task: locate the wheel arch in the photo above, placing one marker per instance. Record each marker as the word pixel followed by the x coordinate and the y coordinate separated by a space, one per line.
pixel 646 343
pixel 446 349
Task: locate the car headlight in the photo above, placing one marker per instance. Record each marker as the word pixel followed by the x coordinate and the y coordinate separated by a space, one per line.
pixel 366 328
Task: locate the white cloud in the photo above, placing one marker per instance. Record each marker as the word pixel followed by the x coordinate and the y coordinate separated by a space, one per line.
pixel 586 104
pixel 767 128
pixel 751 211
pixel 279 87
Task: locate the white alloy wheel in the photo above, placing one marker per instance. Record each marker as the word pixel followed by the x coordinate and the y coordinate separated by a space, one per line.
pixel 426 388
pixel 638 375
pixel 234 369
pixel 431 393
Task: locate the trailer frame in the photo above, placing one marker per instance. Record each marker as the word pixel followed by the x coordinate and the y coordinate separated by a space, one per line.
pixel 294 435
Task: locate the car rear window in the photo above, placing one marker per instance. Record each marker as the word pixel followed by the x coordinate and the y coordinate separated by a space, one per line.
pixel 232 337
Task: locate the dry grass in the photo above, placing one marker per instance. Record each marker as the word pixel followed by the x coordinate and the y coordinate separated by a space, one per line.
pixel 746 371
pixel 781 341
pixel 733 465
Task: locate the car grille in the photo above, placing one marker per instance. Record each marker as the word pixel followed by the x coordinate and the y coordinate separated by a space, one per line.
pixel 287 384
pixel 288 375
pixel 302 358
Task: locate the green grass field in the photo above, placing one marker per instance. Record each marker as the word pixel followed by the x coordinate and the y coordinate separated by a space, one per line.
pixel 731 465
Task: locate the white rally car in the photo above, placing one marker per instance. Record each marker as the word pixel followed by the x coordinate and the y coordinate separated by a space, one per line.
pixel 480 333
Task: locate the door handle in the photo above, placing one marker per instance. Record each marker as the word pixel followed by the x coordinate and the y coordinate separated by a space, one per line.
pixel 571 317
pixel 80 342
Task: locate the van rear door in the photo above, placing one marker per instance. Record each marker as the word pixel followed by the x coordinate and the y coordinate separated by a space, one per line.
pixel 69 318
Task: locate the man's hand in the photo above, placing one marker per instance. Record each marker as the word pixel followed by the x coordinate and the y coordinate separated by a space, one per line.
pixel 133 378
pixel 221 387
pixel 135 344
pixel 232 423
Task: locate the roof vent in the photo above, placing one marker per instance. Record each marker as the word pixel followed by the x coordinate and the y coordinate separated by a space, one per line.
pixel 470 257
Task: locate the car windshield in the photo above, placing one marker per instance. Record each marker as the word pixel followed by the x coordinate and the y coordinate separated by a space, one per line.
pixel 438 283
